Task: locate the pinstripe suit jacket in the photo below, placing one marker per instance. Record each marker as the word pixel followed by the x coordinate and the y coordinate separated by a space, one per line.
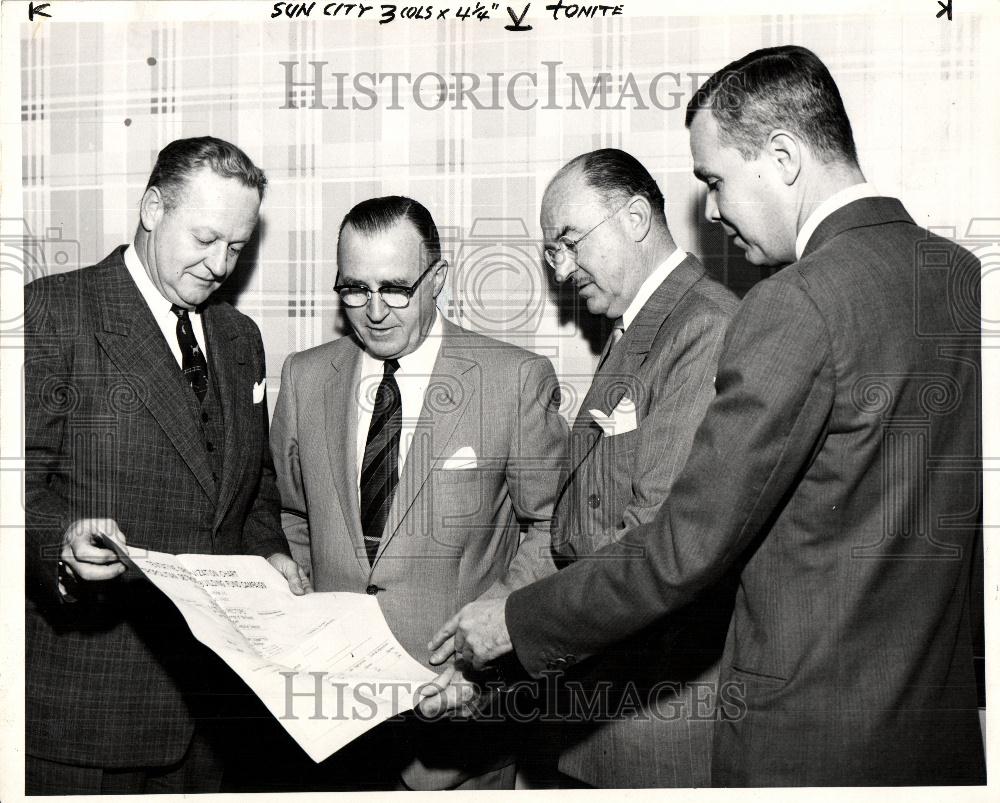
pixel 666 364
pixel 112 431
pixel 451 536
pixel 838 467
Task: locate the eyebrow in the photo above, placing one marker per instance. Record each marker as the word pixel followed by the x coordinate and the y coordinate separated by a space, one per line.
pixel 562 232
pixel 395 282
pixel 204 229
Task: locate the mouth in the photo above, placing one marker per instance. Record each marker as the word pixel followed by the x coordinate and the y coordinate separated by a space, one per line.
pixel 580 281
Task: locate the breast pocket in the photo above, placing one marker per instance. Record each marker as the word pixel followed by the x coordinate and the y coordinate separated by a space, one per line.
pixel 619 455
pixel 464 502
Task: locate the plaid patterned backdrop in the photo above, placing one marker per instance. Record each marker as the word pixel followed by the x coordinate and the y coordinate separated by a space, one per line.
pixel 99 99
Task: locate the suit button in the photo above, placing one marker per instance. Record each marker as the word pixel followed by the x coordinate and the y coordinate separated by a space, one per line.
pixel 210 446
pixel 594 501
pixel 373 589
pixel 570 659
pixel 204 417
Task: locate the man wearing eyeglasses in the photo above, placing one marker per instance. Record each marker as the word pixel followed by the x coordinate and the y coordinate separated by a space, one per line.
pixel 606 233
pixel 411 456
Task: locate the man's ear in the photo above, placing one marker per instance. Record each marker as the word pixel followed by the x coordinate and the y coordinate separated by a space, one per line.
pixel 639 217
pixel 440 274
pixel 151 208
pixel 785 151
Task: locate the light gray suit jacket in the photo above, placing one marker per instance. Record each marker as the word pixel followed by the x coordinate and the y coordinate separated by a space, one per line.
pixel 452 535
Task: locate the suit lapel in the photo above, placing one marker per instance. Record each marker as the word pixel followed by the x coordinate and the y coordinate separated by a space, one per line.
pixel 448 396
pixel 341 406
pixel 619 374
pixel 134 343
pixel 228 353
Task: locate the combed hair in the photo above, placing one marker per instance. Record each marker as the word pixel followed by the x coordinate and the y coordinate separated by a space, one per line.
pixel 378 215
pixel 616 176
pixel 777 87
pixel 179 160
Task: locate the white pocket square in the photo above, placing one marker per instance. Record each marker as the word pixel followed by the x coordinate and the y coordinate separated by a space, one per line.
pixel 620 421
pixel 259 388
pixel 463 458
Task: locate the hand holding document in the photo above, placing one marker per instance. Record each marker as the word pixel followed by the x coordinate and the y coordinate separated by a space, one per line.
pixel 326 664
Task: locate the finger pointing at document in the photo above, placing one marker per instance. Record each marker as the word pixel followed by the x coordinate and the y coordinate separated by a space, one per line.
pixel 477 633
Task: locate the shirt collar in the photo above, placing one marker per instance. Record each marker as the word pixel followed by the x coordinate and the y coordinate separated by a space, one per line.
pixel 827 208
pixel 156 302
pixel 648 287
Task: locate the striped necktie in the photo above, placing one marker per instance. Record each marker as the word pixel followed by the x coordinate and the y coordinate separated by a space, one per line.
pixel 379 471
pixel 193 363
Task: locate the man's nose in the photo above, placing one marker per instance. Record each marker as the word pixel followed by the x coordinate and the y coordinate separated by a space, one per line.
pixel 564 267
pixel 217 261
pixel 711 208
pixel 376 308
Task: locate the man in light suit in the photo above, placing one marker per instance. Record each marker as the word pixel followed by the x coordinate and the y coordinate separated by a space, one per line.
pixel 837 467
pixel 411 455
pixel 606 232
pixel 146 421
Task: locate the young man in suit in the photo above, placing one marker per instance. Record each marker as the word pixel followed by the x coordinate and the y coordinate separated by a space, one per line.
pixel 606 232
pixel 836 468
pixel 146 422
pixel 417 461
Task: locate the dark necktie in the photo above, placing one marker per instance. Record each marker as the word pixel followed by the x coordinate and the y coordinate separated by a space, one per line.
pixel 616 335
pixel 193 363
pixel 379 473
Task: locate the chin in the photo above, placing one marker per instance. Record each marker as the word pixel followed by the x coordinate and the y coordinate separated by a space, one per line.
pixel 382 350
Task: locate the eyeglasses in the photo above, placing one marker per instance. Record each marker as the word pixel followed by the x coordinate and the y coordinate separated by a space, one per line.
pixel 396 296
pixel 566 248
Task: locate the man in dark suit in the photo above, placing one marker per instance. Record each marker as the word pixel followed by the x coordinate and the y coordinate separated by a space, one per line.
pixel 837 467
pixel 606 232
pixel 146 421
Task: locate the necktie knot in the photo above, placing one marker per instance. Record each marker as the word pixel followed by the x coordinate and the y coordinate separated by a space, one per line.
pixel 618 332
pixel 180 312
pixel 390 367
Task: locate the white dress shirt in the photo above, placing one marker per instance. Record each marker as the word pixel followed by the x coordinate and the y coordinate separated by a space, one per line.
pixel 827 208
pixel 160 307
pixel 413 376
pixel 654 280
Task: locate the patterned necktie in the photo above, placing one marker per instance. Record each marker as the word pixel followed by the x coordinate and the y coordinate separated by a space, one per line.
pixel 193 363
pixel 379 473
pixel 616 334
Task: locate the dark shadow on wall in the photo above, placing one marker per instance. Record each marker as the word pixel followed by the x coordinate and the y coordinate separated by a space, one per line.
pixel 573 311
pixel 723 260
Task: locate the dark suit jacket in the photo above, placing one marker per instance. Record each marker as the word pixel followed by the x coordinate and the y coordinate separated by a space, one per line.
pixel 838 466
pixel 452 535
pixel 665 364
pixel 112 431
